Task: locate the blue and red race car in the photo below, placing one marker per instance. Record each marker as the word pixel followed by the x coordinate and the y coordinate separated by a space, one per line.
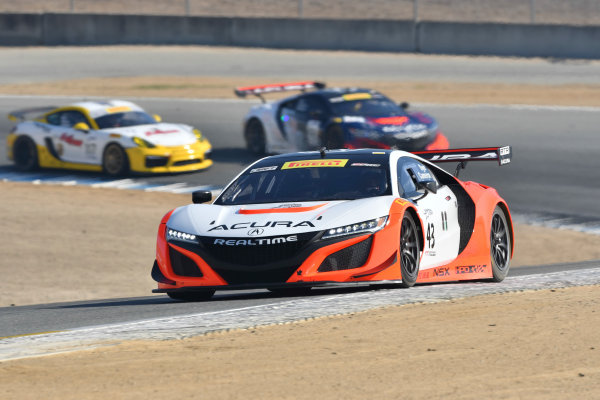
pixel 335 118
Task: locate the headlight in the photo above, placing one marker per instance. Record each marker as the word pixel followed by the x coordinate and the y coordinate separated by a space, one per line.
pixel 198 134
pixel 372 225
pixel 142 142
pixel 172 234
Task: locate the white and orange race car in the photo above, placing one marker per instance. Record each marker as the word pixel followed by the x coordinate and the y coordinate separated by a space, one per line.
pixel 114 136
pixel 295 221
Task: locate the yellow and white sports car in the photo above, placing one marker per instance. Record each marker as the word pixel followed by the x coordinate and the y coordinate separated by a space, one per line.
pixel 114 136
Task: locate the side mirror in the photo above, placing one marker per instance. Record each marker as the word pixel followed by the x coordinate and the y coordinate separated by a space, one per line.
pixel 157 118
pixel 81 126
pixel 201 196
pixel 404 105
pixel 428 185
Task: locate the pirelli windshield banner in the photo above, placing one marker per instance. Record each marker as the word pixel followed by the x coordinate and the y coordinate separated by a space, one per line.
pixel 315 163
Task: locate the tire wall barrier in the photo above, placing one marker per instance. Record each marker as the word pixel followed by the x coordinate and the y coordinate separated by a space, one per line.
pixel 51 29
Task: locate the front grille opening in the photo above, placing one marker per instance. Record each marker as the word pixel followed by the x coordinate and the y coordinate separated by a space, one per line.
pixel 354 256
pixel 156 161
pixel 183 265
pixel 187 162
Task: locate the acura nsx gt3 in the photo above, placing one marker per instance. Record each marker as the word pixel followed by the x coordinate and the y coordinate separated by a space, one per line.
pixel 301 220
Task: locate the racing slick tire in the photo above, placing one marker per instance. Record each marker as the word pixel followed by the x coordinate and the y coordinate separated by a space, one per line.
pixel 255 137
pixel 192 296
pixel 410 251
pixel 25 154
pixel 114 160
pixel 333 138
pixel 500 245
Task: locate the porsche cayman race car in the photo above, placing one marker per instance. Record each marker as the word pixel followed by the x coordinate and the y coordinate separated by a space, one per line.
pixel 295 221
pixel 112 136
pixel 334 118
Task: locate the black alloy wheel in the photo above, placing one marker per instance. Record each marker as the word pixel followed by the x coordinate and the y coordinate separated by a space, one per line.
pixel 25 154
pixel 500 245
pixel 255 137
pixel 409 251
pixel 114 160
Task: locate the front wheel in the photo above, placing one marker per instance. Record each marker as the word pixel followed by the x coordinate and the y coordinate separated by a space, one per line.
pixel 409 251
pixel 25 154
pixel 500 245
pixel 114 160
pixel 192 296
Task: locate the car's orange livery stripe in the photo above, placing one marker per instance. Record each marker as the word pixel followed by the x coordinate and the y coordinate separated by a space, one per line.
pixel 281 210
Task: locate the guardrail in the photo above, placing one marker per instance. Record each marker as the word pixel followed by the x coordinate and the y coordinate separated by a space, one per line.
pixel 563 41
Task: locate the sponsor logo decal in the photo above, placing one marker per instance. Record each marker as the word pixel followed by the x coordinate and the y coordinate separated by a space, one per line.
pixel 504 151
pixel 400 202
pixel 118 109
pixel 356 164
pixel 255 232
pixel 470 269
pixel 255 242
pixel 391 120
pixel 268 224
pixel 159 132
pixel 69 139
pixel 263 169
pixel 441 271
pixel 314 163
pixel 356 96
pixel 464 156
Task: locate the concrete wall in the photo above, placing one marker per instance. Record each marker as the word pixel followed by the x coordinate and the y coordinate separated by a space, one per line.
pixel 369 35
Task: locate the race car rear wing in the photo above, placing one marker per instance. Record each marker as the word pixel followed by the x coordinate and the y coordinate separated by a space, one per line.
pixel 502 154
pixel 20 115
pixel 277 87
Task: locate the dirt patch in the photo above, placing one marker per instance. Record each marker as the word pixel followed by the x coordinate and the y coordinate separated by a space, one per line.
pixel 221 87
pixel 534 345
pixel 67 243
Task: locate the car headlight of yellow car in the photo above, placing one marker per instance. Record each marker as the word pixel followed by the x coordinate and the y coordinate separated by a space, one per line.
pixel 142 142
pixel 198 134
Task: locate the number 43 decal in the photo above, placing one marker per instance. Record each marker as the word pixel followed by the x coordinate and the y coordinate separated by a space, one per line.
pixel 430 235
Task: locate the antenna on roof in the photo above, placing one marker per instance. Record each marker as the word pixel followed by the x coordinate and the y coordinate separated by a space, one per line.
pixel 322 151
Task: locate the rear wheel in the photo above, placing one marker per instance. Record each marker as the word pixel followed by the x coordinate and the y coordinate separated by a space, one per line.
pixel 500 245
pixel 25 154
pixel 255 137
pixel 333 138
pixel 409 251
pixel 192 296
pixel 114 160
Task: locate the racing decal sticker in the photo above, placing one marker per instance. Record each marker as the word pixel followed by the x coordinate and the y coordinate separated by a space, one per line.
pixel 356 164
pixel 268 224
pixel 256 242
pixel 400 202
pixel 118 109
pixel 159 132
pixel 70 139
pixel 314 163
pixel 470 269
pixel 444 221
pixel 263 169
pixel 357 96
pixel 391 120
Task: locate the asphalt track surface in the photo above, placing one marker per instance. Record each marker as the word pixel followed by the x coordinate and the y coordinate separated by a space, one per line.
pixel 554 169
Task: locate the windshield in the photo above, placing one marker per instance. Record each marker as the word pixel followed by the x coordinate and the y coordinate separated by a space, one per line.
pixel 276 181
pixel 365 105
pixel 131 118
